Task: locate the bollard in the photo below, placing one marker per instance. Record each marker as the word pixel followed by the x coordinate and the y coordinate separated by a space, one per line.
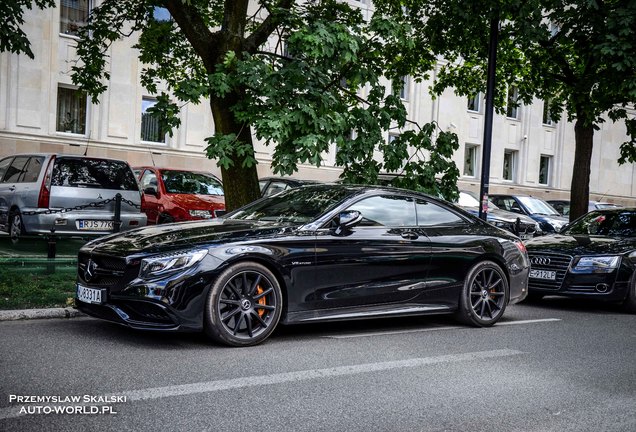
pixel 51 251
pixel 117 222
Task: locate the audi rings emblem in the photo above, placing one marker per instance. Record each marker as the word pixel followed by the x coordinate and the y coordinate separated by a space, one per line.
pixel 539 260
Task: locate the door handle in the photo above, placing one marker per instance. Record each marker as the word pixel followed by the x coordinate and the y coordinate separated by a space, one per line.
pixel 12 188
pixel 410 235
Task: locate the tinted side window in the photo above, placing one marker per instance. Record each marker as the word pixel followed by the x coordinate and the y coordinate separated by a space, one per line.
pixel 4 165
pixel 393 211
pixel 15 170
pixel 93 173
pixel 429 214
pixel 32 170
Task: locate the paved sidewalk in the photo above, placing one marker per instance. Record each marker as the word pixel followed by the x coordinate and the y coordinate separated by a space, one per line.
pixel 25 314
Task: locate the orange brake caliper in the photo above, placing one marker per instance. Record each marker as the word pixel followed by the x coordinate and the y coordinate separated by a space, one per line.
pixel 261 301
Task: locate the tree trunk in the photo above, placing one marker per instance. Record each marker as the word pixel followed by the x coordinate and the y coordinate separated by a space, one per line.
pixel 580 189
pixel 239 183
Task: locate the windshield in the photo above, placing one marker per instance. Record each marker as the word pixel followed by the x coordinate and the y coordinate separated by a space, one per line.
pixel 188 182
pixel 615 224
pixel 538 206
pixel 300 205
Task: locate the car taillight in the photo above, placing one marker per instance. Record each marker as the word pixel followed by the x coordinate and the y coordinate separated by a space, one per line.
pixel 45 188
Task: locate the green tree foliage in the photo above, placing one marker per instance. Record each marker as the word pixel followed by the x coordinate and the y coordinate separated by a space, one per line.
pixel 578 56
pixel 303 77
pixel 12 37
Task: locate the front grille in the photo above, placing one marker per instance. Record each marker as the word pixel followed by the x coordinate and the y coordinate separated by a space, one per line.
pixel 105 271
pixel 550 262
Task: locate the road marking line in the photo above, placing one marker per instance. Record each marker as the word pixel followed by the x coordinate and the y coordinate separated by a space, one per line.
pixel 386 333
pixel 285 377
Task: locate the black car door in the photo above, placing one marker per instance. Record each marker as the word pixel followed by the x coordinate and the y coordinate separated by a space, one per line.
pixel 453 248
pixel 381 260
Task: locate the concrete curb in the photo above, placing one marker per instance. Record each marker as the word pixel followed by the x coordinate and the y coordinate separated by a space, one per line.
pixel 28 314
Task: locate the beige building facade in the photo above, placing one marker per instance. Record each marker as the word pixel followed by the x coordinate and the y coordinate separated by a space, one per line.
pixel 41 111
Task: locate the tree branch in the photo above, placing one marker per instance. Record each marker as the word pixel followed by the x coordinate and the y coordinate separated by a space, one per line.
pixel 262 32
pixel 204 42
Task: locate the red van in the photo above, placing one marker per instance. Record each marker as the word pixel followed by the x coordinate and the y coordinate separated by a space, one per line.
pixel 175 195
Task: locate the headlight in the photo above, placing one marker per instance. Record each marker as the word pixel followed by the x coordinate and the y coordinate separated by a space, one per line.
pixel 500 224
pixel 205 214
pixel 596 264
pixel 161 265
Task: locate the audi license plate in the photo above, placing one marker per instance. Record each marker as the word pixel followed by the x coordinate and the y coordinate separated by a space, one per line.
pixel 94 225
pixel 543 274
pixel 90 295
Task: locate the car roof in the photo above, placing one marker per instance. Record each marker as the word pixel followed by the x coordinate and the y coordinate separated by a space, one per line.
pixel 64 155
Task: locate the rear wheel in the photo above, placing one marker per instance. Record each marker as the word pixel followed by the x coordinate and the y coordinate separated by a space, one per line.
pixel 484 296
pixel 16 226
pixel 165 218
pixel 243 306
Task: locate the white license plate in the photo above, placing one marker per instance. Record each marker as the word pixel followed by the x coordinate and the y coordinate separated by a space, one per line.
pixel 543 274
pixel 89 295
pixel 94 225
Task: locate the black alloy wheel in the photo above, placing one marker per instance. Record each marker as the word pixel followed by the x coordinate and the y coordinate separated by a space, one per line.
pixel 244 305
pixel 630 302
pixel 484 296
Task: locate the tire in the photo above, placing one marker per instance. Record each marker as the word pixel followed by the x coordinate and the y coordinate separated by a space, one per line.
pixel 164 218
pixel 630 302
pixel 243 306
pixel 16 226
pixel 484 296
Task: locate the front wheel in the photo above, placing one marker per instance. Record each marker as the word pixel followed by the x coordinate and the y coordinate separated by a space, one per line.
pixel 243 306
pixel 16 227
pixel 484 296
pixel 630 302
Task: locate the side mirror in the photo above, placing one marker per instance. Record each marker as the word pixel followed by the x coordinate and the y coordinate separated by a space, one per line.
pixel 347 219
pixel 516 210
pixel 151 190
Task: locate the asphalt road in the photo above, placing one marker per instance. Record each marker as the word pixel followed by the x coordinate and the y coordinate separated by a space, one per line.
pixel 559 365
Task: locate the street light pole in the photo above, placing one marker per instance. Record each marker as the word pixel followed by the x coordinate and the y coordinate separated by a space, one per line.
pixel 490 104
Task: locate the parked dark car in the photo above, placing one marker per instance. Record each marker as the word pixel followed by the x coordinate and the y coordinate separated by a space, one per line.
pixel 518 224
pixel 43 192
pixel 563 206
pixel 549 219
pixel 314 253
pixel 176 195
pixel 273 185
pixel 594 256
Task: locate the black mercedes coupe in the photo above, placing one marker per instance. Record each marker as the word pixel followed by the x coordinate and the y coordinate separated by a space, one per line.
pixel 594 256
pixel 314 253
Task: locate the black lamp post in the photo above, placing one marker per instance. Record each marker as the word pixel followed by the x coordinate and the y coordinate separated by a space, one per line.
pixel 490 103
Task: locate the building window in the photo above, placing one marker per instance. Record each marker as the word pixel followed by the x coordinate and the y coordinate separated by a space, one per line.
pixel 547 119
pixel 470 160
pixel 509 165
pixel 404 91
pixel 545 164
pixel 73 15
pixel 474 102
pixel 71 110
pixel 150 128
pixel 512 103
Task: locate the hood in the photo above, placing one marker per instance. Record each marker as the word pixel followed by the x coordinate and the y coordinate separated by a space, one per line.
pixel 581 245
pixel 165 238
pixel 198 202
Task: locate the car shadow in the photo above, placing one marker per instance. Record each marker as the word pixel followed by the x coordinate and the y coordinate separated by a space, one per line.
pixel 585 305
